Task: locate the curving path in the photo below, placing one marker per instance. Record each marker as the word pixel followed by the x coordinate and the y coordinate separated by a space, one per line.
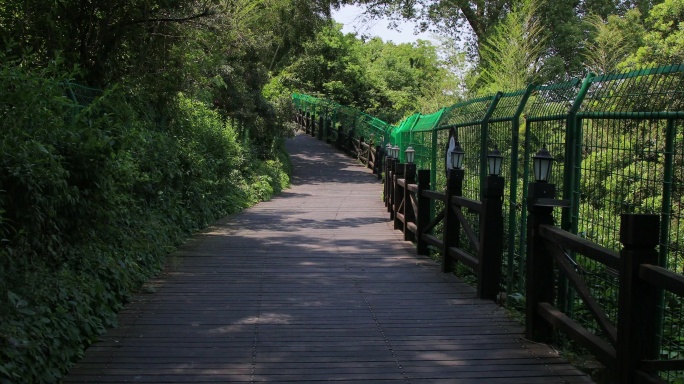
pixel 314 286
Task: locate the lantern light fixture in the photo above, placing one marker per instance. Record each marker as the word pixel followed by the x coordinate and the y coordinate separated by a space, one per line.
pixel 410 154
pixel 542 163
pixel 495 159
pixel 457 156
pixel 395 151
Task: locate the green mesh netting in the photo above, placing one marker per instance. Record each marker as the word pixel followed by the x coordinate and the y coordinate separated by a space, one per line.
pixel 618 142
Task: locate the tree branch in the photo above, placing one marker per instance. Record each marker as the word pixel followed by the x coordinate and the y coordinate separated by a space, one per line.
pixel 179 20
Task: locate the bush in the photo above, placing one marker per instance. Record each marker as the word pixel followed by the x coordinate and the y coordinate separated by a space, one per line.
pixel 92 199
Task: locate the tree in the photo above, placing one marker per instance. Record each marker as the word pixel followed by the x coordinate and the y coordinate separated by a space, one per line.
pixel 612 41
pixel 512 55
pixel 383 79
pixel 663 43
pixel 469 21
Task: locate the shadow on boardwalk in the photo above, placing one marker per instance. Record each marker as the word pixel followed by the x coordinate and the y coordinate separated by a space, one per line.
pixel 314 285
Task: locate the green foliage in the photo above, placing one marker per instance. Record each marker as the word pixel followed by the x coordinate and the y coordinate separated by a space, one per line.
pixel 383 79
pixel 611 42
pixel 511 55
pixel 93 198
pixel 663 42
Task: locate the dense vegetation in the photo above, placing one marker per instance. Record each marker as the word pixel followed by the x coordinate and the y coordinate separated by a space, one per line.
pixel 623 165
pixel 127 125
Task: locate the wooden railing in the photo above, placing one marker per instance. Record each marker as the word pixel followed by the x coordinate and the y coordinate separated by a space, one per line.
pixel 408 198
pixel 628 347
pixel 366 152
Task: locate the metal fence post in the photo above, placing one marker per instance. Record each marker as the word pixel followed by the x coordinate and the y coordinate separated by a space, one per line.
pixel 451 225
pixel 491 239
pixel 539 284
pixel 638 300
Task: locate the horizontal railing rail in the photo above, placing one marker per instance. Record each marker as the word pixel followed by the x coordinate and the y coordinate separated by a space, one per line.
pixel 628 345
pixel 623 333
pixel 409 204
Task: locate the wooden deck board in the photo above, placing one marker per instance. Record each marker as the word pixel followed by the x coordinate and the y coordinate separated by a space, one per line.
pixel 314 286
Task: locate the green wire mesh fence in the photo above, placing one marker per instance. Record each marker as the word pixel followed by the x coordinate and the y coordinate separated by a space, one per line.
pixel 618 144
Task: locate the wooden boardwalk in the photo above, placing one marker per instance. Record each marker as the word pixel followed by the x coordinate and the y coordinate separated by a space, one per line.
pixel 315 286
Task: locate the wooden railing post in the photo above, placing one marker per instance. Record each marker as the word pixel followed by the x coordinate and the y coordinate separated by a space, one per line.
pixel 390 187
pixel 409 214
pixel 338 139
pixel 491 239
pixel 328 130
pixel 451 224
pixel 359 150
pixel 398 194
pixel 313 126
pixel 385 182
pixel 539 284
pixel 423 214
pixel 369 155
pixel 379 156
pixel 350 141
pixel 321 128
pixel 638 300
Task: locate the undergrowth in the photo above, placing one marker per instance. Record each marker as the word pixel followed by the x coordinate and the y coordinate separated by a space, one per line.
pixel 93 198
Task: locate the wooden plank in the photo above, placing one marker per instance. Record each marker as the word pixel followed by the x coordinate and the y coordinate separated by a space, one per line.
pixel 468 229
pixel 438 217
pixel 663 365
pixel 434 195
pixel 464 257
pixel 314 286
pixel 663 278
pixel 472 205
pixel 599 348
pixel 584 293
pixel 581 245
pixel 432 240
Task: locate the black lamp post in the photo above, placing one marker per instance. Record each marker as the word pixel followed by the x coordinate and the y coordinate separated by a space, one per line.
pixel 456 156
pixel 495 159
pixel 395 151
pixel 454 187
pixel 491 227
pixel 410 154
pixel 539 281
pixel 542 164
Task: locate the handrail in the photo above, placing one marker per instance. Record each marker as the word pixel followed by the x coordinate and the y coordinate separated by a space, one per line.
pixel 409 203
pixel 580 245
pixel 408 197
pixel 662 278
